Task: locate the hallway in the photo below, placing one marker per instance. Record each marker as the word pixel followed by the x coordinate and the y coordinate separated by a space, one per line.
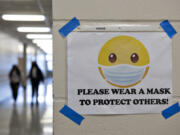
pixel 23 118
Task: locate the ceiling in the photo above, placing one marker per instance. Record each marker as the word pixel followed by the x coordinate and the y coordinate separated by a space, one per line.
pixel 43 7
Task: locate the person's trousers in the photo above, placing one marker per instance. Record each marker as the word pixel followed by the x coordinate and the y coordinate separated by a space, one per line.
pixel 35 87
pixel 14 88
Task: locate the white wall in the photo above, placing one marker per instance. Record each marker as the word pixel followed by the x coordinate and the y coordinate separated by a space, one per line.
pixel 113 11
pixel 9 52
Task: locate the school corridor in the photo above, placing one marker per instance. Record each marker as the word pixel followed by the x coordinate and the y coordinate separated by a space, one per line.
pixel 23 118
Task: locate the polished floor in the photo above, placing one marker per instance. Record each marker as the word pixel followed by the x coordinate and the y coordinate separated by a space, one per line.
pixel 23 118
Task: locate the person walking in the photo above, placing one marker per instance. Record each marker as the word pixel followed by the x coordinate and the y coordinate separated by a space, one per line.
pixel 15 79
pixel 36 76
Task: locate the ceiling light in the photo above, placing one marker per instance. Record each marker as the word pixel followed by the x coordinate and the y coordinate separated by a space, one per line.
pixel 13 17
pixel 33 29
pixel 39 36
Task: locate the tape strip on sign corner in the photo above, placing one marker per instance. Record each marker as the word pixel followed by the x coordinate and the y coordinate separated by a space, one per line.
pixel 168 28
pixel 69 27
pixel 71 114
pixel 170 111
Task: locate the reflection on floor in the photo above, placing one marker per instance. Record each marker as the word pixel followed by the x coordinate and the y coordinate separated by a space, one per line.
pixel 24 119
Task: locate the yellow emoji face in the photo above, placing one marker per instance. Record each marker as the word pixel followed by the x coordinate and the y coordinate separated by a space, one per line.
pixel 123 61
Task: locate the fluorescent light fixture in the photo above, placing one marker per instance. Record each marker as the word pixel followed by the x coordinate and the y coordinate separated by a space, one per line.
pixel 13 17
pixel 39 36
pixel 33 29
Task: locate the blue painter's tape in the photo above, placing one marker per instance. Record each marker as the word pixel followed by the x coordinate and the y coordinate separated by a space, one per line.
pixel 71 114
pixel 170 111
pixel 168 28
pixel 69 27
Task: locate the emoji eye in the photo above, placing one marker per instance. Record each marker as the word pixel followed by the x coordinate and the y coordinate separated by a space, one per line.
pixel 134 57
pixel 112 57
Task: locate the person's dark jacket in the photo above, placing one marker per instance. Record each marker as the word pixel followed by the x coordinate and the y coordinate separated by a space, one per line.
pixel 39 75
pixel 18 73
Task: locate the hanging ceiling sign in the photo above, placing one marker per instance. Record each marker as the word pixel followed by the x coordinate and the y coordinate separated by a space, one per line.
pixel 119 72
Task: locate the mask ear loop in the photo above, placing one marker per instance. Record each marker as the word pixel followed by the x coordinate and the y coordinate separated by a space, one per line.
pixel 146 71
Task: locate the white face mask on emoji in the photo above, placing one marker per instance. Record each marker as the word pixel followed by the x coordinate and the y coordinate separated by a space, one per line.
pixel 123 74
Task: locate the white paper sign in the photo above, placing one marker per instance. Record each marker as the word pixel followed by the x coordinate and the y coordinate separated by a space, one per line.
pixel 119 72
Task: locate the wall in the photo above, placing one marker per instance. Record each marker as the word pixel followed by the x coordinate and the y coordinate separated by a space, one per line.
pixel 103 12
pixel 9 52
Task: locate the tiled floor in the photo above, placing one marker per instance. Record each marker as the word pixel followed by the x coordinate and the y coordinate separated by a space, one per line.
pixel 24 119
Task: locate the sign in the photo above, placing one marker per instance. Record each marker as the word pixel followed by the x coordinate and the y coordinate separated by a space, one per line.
pixel 119 72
